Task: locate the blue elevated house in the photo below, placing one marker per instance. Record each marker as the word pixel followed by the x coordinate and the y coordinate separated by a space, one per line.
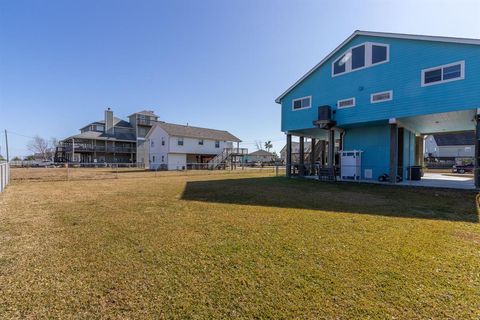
pixel 378 94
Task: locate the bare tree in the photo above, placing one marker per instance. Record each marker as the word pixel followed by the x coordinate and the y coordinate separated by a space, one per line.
pixel 40 146
pixel 259 144
pixel 54 142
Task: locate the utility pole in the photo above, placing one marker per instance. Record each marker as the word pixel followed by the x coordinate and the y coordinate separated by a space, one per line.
pixel 6 144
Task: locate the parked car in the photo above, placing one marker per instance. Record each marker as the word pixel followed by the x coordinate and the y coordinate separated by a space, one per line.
pixel 462 168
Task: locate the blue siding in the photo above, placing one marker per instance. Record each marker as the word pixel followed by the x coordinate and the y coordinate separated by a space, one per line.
pixel 374 141
pixel 402 74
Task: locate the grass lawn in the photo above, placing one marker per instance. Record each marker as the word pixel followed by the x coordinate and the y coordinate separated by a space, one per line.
pixel 243 245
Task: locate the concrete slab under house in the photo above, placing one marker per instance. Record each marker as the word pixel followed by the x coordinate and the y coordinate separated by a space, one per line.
pixel 367 106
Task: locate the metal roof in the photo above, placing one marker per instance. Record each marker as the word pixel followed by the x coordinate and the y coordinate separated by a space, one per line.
pixel 455 139
pixel 379 34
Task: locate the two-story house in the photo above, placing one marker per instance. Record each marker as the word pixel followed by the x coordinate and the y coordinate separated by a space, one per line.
pixel 111 140
pixel 177 147
pixel 380 93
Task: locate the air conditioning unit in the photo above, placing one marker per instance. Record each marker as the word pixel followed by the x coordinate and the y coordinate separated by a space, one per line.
pixel 324 120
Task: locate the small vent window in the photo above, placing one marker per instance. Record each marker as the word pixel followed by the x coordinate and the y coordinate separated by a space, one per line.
pixel 381 96
pixel 346 103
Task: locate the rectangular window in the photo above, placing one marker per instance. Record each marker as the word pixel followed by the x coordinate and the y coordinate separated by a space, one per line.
pixel 441 74
pixel 301 103
pixel 217 144
pixel 379 53
pixel 381 96
pixel 358 57
pixel 346 103
pixel 180 141
pixel 163 141
pixel 200 142
pixel 163 158
pixel 153 159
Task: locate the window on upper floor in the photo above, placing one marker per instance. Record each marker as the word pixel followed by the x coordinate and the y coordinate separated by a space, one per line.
pixel 301 103
pixel 217 144
pixel 200 142
pixel 180 141
pixel 152 144
pixel 346 103
pixel 441 74
pixel 163 141
pixel 365 55
pixel 381 96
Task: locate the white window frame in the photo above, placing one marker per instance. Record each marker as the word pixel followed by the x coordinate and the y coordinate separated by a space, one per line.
pixel 180 139
pixel 382 92
pixel 217 144
pixel 303 108
pixel 462 73
pixel 345 107
pixel 368 58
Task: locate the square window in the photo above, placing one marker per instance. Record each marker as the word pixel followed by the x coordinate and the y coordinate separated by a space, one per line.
pixel 358 57
pixel 297 104
pixel 379 54
pixel 200 142
pixel 452 72
pixel 180 141
pixel 433 76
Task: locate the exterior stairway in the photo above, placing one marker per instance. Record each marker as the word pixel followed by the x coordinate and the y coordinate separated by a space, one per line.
pixel 226 156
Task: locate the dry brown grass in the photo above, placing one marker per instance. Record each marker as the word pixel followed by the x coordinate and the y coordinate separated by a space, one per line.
pixel 244 245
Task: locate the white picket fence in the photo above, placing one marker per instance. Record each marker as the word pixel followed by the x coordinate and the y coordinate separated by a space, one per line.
pixel 4 175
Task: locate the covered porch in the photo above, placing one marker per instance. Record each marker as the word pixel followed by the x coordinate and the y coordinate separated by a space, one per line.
pixel 390 150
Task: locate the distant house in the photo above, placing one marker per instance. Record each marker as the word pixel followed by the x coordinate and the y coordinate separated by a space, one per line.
pixel 176 147
pixel 111 140
pixel 295 151
pixel 260 156
pixel 450 146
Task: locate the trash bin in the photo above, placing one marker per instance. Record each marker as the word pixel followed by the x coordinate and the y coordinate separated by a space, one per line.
pixel 415 173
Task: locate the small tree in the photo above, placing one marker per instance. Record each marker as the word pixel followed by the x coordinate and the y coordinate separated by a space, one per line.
pixel 268 145
pixel 39 146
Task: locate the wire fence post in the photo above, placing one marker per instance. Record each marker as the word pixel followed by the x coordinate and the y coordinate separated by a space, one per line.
pixel 68 171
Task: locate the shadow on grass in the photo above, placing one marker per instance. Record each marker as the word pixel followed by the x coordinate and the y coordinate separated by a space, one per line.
pixel 338 197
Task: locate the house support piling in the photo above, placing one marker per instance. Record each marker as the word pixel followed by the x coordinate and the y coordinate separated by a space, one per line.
pixel 289 156
pixel 301 160
pixel 393 151
pixel 476 170
pixel 331 148
pixel 312 156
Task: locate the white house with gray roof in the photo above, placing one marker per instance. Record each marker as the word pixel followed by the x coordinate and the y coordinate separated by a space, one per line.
pixel 176 147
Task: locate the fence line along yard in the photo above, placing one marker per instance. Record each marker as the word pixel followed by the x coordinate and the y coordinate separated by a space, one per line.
pixel 4 175
pixel 100 171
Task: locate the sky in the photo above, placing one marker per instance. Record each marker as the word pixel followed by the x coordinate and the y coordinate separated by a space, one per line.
pixel 212 63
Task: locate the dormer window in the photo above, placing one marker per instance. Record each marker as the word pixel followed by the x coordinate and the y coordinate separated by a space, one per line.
pixel 359 57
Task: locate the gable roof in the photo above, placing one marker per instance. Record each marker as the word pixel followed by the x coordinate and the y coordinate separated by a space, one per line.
pixel 455 139
pixel 196 132
pixel 117 122
pixel 379 34
pixel 260 153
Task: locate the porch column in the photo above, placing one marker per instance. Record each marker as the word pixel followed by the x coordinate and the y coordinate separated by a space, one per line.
pixel 419 150
pixel 393 152
pixel 289 155
pixel 331 148
pixel 322 152
pixel 301 161
pixel 476 168
pixel 312 156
